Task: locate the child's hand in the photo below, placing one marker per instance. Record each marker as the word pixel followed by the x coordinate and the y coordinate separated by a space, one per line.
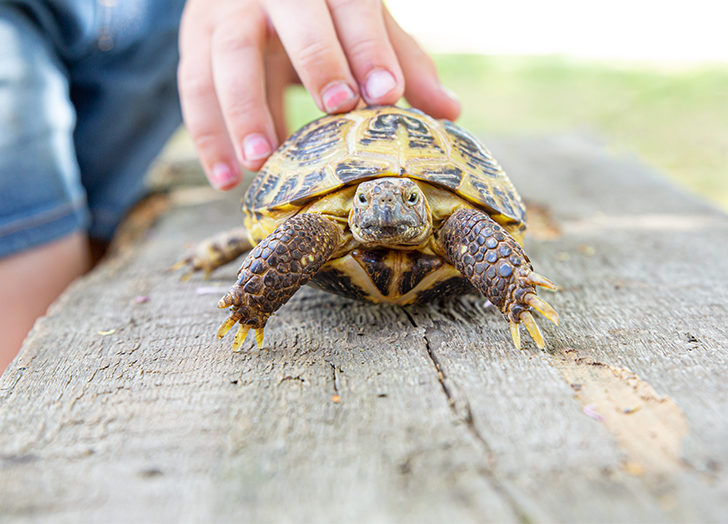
pixel 237 57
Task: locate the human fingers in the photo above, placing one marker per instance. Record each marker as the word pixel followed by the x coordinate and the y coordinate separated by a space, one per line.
pixel 238 42
pixel 200 108
pixel 307 33
pixel 422 86
pixel 363 35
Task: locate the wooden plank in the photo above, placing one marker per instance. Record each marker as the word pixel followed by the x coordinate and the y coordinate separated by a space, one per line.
pixel 119 409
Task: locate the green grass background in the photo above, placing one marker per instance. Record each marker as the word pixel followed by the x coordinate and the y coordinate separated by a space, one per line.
pixel 675 119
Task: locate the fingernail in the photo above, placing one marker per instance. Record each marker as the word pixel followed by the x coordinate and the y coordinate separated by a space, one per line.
pixel 222 177
pixel 336 96
pixel 255 147
pixel 379 84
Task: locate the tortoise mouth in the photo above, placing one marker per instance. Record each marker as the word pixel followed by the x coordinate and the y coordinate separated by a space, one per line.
pixel 386 231
pixel 403 234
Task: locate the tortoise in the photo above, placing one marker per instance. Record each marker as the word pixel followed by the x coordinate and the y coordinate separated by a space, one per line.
pixel 383 204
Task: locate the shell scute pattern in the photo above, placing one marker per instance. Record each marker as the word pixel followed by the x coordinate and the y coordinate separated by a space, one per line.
pixel 486 194
pixel 315 143
pixel 336 281
pixel 262 191
pixel 337 150
pixel 507 207
pixel 310 179
pixel 450 176
pixel 472 152
pixel 352 169
pixel 418 267
pixel 283 195
pixel 385 128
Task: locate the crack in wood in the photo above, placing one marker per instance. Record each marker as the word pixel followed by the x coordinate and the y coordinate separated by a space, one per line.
pixel 288 377
pixel 435 361
pixel 334 378
pixel 469 419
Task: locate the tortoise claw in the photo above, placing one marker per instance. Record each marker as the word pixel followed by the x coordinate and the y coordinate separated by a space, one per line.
pixel 240 337
pixel 177 265
pixel 241 334
pixel 225 327
pixel 259 337
pixel 533 330
pixel 540 280
pixel 515 334
pixel 542 307
pixel 185 262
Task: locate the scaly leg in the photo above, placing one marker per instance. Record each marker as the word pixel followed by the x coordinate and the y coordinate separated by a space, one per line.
pixel 275 270
pixel 214 252
pixel 498 267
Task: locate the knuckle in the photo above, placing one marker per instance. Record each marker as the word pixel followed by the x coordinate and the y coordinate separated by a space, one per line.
pixel 242 112
pixel 231 40
pixel 366 48
pixel 206 140
pixel 315 54
pixel 192 82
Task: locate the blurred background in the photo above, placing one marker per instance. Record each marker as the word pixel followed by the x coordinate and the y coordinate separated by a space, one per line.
pixel 645 77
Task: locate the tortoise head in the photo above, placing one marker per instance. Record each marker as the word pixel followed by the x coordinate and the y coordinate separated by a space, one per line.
pixel 390 212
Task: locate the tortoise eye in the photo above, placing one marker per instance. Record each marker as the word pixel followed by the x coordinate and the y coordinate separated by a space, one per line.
pixel 362 198
pixel 412 199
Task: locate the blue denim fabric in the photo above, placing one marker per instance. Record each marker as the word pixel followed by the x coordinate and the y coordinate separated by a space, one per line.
pixel 88 96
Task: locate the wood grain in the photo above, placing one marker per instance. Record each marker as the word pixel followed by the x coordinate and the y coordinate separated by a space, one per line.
pixel 120 409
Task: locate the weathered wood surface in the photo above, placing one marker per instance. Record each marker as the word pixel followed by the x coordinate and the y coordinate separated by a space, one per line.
pixel 125 411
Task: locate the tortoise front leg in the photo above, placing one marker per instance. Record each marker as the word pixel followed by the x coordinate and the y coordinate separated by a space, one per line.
pixel 275 270
pixel 214 252
pixel 498 267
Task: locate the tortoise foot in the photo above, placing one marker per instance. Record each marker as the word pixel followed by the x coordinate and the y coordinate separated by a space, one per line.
pixel 521 299
pixel 251 311
pixel 273 271
pixel 213 252
pixel 498 267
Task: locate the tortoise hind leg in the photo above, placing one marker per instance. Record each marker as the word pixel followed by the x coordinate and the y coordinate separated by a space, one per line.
pixel 275 270
pixel 499 268
pixel 214 252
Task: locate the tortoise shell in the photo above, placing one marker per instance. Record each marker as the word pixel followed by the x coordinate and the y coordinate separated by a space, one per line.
pixel 384 141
